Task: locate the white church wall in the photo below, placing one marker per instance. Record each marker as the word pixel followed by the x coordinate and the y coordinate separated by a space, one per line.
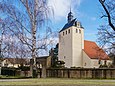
pixel 71 45
pixel 77 46
pixel 86 61
pixel 93 63
pixel 90 63
pixel 65 44
pixel 109 62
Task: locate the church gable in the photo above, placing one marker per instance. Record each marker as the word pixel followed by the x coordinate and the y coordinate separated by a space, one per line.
pixel 94 52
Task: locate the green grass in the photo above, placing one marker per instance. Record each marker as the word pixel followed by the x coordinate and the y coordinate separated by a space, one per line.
pixel 58 82
pixel 11 77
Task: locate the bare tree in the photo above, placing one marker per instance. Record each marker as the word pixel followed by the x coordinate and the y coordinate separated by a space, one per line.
pixel 2 32
pixel 109 8
pixel 106 39
pixel 106 36
pixel 25 18
pixel 10 46
pixel 1 42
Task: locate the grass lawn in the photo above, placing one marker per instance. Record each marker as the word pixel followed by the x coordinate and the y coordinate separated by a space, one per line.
pixel 10 77
pixel 57 82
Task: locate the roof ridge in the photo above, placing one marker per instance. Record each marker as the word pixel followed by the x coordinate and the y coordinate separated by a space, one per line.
pixel 89 41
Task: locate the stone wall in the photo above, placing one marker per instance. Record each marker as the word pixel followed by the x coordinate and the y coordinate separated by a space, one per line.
pixel 23 73
pixel 82 73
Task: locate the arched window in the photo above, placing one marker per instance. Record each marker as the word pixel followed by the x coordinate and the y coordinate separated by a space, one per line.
pixel 66 31
pixel 79 31
pixel 69 31
pixel 76 30
pixel 99 62
pixel 78 24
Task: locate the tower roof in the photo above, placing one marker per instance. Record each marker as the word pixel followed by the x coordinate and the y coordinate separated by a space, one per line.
pixel 67 25
pixel 70 16
pixel 71 22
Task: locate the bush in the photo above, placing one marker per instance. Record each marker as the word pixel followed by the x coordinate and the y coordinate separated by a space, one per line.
pixel 24 68
pixel 8 71
pixel 103 66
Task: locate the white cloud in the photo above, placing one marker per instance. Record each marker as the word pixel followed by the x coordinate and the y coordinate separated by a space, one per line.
pixel 62 7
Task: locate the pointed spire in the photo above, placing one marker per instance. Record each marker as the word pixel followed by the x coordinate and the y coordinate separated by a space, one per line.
pixel 70 8
pixel 70 16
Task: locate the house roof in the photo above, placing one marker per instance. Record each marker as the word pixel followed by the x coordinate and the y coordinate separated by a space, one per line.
pixel 42 57
pixel 17 60
pixel 94 52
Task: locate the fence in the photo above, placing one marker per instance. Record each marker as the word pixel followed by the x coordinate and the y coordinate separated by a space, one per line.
pixel 81 73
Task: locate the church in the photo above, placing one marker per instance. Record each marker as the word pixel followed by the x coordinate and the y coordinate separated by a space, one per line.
pixel 77 52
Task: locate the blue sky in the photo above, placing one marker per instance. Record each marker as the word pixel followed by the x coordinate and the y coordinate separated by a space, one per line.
pixel 88 12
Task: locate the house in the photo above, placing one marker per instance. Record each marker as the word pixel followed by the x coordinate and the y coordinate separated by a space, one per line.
pixel 77 52
pixel 43 61
pixel 14 62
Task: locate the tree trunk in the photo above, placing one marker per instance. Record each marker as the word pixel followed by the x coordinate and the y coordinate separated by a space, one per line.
pixel 0 50
pixel 34 38
pixel 34 43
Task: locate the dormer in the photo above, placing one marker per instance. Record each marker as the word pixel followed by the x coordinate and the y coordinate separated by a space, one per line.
pixel 78 24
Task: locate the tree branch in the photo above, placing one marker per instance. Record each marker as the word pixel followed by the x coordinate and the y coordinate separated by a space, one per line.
pixel 108 14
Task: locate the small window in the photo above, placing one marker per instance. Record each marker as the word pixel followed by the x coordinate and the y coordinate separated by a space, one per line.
pixel 78 24
pixel 66 32
pixel 99 62
pixel 79 31
pixel 76 31
pixel 69 31
pixel 63 33
pixel 85 64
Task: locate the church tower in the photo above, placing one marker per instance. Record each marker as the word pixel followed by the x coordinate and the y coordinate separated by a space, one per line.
pixel 71 43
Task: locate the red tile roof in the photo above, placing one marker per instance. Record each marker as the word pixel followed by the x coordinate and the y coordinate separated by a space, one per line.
pixel 93 51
